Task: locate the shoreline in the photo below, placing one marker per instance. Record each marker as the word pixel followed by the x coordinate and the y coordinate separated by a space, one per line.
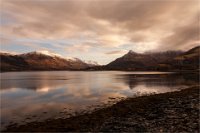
pixel 167 112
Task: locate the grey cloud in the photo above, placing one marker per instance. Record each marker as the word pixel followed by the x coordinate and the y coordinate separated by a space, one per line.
pixel 184 37
pixel 145 21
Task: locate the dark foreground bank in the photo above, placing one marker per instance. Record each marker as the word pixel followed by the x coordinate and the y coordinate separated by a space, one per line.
pixel 169 112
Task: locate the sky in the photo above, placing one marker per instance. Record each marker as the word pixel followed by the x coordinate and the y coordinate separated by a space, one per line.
pixel 98 30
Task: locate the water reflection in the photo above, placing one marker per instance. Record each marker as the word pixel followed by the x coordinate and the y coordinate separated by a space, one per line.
pixel 27 96
pixel 168 80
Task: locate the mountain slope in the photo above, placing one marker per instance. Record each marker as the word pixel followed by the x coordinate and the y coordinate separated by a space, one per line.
pixel 188 60
pixel 12 62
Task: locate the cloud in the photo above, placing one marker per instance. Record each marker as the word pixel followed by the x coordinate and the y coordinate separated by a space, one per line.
pixel 5 40
pixel 184 37
pixel 113 40
pixel 78 48
pixel 139 25
pixel 116 52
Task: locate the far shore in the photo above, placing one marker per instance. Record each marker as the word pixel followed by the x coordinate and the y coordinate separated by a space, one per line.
pixel 168 112
pixel 83 70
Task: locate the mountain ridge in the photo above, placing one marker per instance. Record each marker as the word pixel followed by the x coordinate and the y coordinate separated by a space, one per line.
pixel 131 61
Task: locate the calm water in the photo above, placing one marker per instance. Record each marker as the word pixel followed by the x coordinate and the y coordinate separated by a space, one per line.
pixel 31 96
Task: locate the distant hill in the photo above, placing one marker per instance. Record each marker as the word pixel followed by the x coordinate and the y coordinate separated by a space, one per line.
pixel 40 61
pixel 169 60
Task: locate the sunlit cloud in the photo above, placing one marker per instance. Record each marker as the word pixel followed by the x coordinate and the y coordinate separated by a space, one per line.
pixel 78 48
pixel 116 52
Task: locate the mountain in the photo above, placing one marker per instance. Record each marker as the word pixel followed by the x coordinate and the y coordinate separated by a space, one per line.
pixel 169 60
pixel 188 60
pixel 137 61
pixel 40 60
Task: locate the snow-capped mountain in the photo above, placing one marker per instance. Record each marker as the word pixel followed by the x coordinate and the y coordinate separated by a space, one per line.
pixel 40 60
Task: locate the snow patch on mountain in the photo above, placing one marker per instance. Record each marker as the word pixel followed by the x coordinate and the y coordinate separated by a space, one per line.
pixel 45 52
